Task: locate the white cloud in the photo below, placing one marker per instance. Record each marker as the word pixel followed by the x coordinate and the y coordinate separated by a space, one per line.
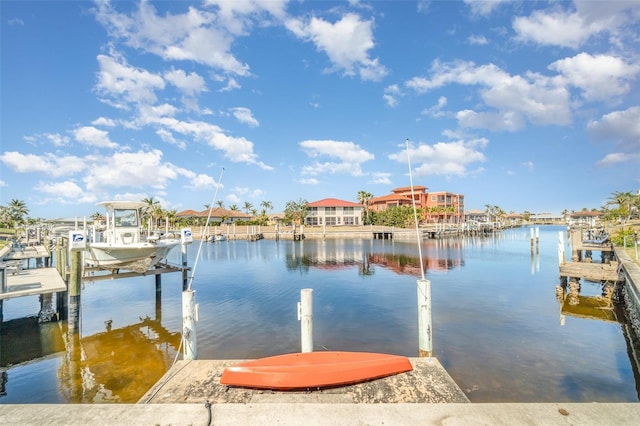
pixel 381 178
pixel 600 77
pixel 105 122
pixel 444 158
pixel 123 85
pixel 539 99
pixel 346 42
pixel 202 181
pixel 48 164
pixel 478 40
pixel 345 151
pixel 483 7
pixel 244 115
pixel 621 127
pixel 91 136
pixel 168 137
pixel 191 36
pixel 436 110
pixel 236 149
pixel 66 190
pixel 309 181
pixel 349 155
pixel 618 158
pixel 190 84
pixel 135 169
pixel 391 95
pixel 572 29
pixel 57 139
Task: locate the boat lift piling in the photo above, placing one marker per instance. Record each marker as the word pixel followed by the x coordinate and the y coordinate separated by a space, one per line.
pixel 305 316
pixel 189 319
pixel 77 243
pixel 425 340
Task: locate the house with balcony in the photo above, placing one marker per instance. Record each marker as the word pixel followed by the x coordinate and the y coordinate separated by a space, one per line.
pixel 444 207
pixel 438 207
pixel 399 197
pixel 333 212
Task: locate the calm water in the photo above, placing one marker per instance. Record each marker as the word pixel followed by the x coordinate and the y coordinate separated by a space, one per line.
pixel 497 322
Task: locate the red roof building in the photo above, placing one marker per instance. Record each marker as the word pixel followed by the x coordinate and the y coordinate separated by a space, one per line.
pixel 437 206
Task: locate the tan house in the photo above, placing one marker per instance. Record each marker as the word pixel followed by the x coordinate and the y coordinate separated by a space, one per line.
pixel 585 217
pixel 333 212
pixel 218 214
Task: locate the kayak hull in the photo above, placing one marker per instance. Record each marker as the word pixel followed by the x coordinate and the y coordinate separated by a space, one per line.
pixel 311 370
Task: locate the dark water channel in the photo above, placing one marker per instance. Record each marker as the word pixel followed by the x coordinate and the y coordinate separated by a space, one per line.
pixel 499 328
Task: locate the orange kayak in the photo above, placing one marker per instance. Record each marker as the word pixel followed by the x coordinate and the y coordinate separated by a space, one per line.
pixel 313 370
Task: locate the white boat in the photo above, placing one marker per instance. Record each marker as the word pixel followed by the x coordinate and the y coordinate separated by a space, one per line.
pixel 216 238
pixel 121 245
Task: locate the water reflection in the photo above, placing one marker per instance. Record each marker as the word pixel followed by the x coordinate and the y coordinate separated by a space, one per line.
pixel 115 365
pixel 439 255
pixel 496 325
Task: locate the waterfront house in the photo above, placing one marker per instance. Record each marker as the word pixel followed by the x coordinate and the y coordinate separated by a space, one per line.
pixel 332 212
pixel 547 219
pixel 444 207
pixel 400 197
pixel 476 216
pixel 585 217
pixel 218 215
pixel 439 207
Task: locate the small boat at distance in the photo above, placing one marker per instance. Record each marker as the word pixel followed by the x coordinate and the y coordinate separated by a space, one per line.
pixel 121 244
pixel 313 370
pixel 216 238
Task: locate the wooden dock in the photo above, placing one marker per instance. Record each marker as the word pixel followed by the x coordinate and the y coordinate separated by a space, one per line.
pixel 591 271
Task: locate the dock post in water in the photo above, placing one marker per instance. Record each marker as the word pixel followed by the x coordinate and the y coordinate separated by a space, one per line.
pixel 189 319
pixel 75 282
pixel 424 318
pixel 305 316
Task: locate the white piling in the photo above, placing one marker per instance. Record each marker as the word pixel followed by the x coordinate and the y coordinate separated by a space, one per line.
pixel 424 318
pixel 531 237
pixel 189 319
pixel 305 316
pixel 560 249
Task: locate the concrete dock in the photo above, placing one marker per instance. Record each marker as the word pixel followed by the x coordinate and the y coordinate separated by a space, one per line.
pixel 190 394
pixel 29 282
pixel 199 381
pixel 292 413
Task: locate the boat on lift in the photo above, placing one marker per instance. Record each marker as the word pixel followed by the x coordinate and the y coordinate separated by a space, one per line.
pixel 121 243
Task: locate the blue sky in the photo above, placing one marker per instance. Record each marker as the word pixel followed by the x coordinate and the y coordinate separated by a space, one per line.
pixel 527 105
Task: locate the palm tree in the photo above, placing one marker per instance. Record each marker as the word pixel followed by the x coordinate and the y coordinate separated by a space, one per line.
pixel 233 207
pixel 623 200
pixel 247 207
pixel 266 205
pixel 171 216
pixel 148 210
pixel 17 211
pixel 363 198
pixel 220 204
